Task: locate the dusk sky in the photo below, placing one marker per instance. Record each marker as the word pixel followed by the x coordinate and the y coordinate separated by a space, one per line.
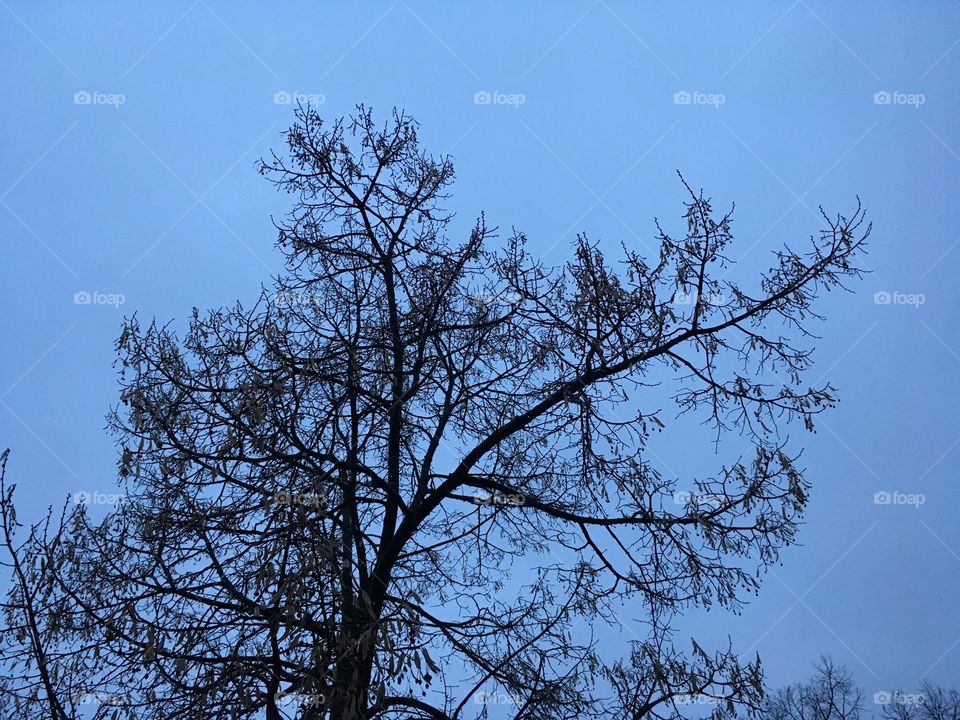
pixel 131 133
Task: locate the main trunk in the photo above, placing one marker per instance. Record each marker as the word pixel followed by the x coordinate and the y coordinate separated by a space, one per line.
pixel 349 696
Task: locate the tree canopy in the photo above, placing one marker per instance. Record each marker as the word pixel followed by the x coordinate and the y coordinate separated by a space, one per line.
pixel 407 479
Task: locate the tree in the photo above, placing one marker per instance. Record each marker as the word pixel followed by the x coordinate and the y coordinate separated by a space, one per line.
pixel 931 703
pixel 330 494
pixel 832 694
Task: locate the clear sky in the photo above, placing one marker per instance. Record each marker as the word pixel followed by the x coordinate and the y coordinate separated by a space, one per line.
pixel 130 133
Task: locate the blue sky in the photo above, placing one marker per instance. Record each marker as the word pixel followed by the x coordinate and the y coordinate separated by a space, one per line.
pixel 130 137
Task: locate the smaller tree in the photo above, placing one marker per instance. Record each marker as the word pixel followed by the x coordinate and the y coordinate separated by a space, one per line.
pixel 931 703
pixel 831 694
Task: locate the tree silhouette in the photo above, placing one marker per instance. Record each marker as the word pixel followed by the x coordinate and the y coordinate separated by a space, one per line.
pixel 931 703
pixel 394 486
pixel 831 694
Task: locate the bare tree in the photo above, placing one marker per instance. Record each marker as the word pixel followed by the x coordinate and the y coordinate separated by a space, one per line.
pixel 831 694
pixel 931 703
pixel 394 486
